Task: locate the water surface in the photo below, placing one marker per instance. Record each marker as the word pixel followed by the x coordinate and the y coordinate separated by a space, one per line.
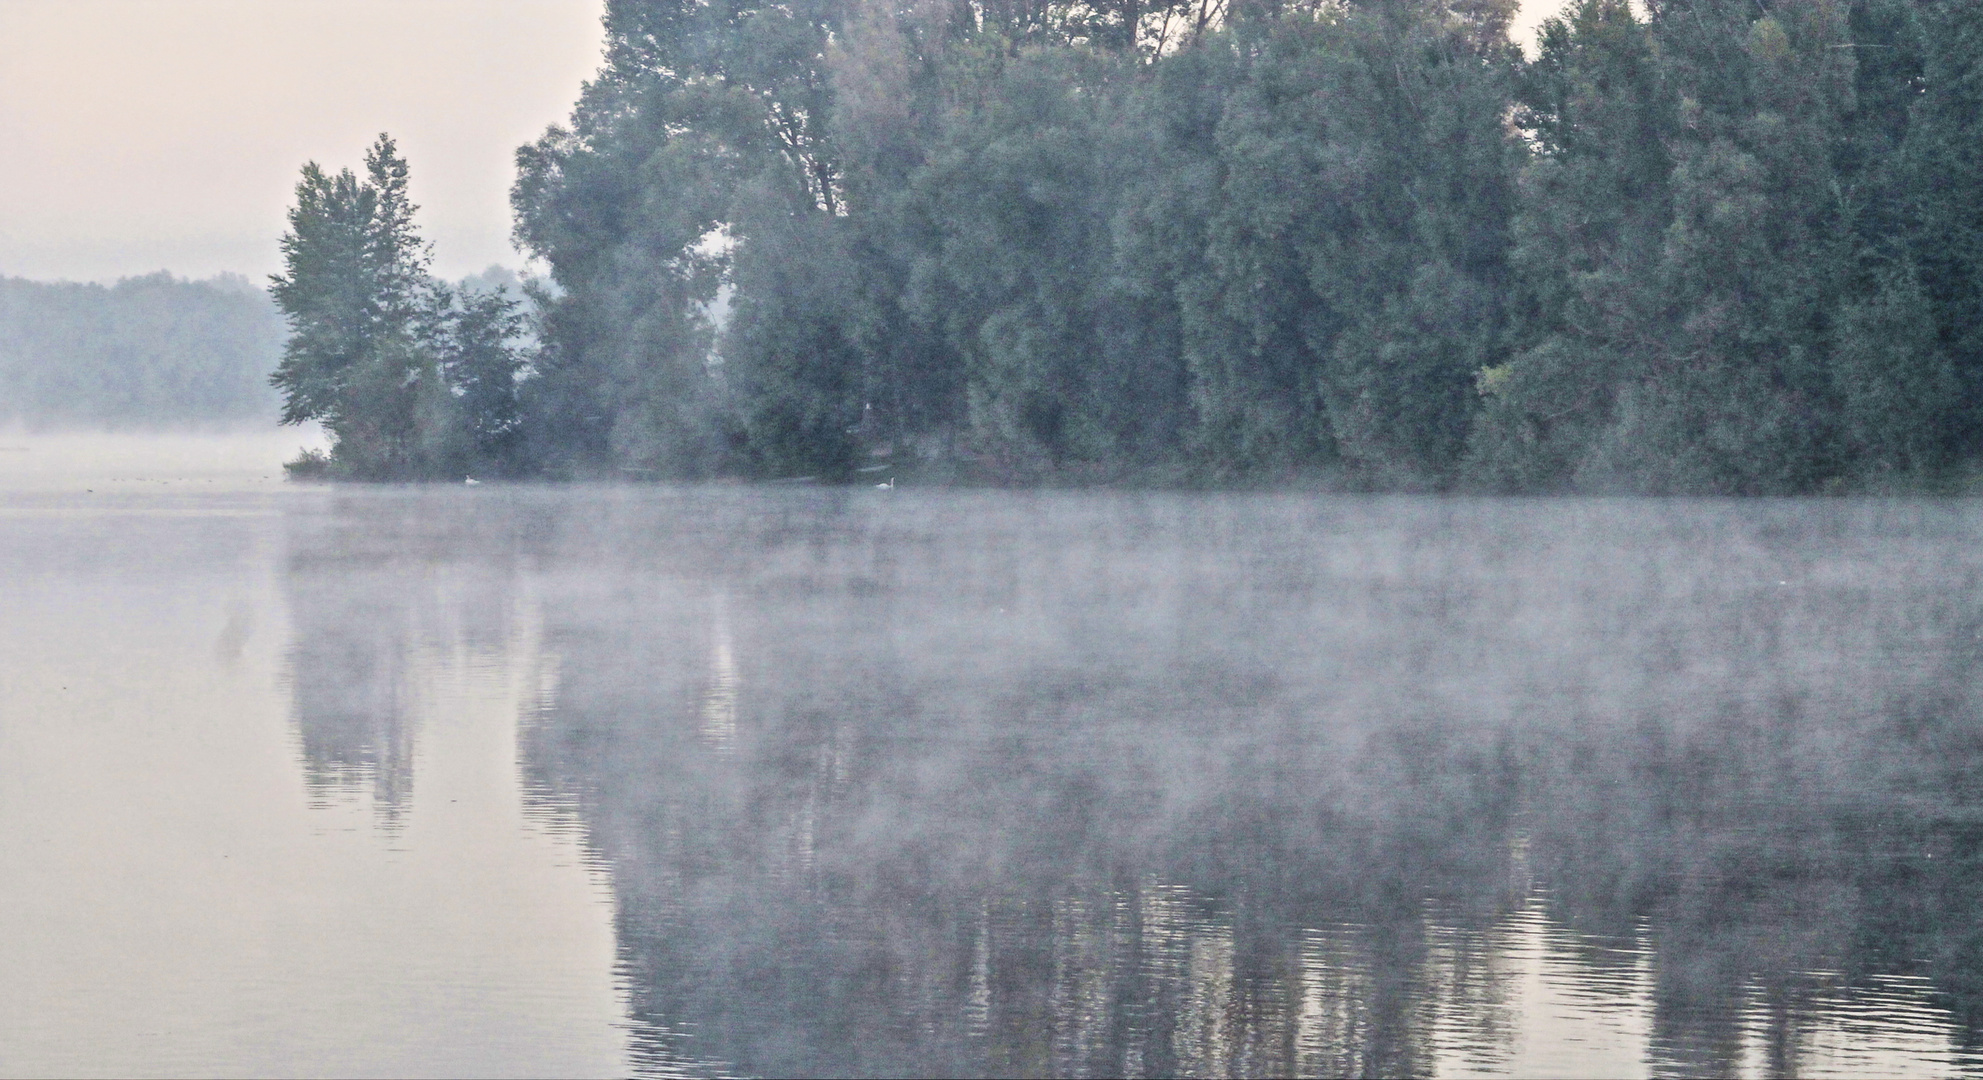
pixel 780 781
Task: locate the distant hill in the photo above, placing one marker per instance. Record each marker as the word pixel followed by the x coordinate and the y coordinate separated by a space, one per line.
pixel 152 351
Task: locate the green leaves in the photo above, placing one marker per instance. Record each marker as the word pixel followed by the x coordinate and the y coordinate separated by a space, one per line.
pixel 1718 246
pixel 410 381
pixel 1728 284
pixel 326 293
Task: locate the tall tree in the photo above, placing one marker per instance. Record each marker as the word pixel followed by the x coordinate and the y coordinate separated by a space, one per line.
pixel 1696 245
pixel 1594 205
pixel 409 383
pixel 353 269
pixel 1354 189
pixel 1942 187
pixel 1714 254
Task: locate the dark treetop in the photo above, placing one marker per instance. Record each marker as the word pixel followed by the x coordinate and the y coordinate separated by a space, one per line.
pixel 1725 246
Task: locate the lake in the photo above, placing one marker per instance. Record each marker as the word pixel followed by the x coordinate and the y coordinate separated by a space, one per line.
pixel 526 780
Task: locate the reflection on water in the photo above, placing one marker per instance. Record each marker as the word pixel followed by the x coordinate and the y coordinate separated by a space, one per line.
pixel 197 708
pixel 986 783
pixel 374 629
pixel 354 715
pixel 719 702
pixel 1247 785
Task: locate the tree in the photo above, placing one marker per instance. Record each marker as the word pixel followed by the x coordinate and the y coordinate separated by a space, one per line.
pixel 475 333
pixel 1942 189
pixel 410 381
pixel 1352 175
pixel 1696 245
pixel 1593 204
pixel 147 351
pixel 1726 271
pixel 351 292
pixel 702 113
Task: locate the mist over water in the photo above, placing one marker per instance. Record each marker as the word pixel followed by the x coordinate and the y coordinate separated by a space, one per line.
pixel 71 461
pixel 737 780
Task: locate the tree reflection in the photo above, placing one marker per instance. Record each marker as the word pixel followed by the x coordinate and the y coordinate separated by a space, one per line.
pixel 1239 786
pixel 350 685
pixel 380 591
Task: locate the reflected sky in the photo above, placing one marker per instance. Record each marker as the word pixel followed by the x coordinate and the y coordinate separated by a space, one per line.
pixel 187 891
pixel 731 781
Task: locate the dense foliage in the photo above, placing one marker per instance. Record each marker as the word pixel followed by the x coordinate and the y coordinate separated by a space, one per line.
pixel 1026 241
pixel 1692 245
pixel 412 379
pixel 1748 242
pixel 144 352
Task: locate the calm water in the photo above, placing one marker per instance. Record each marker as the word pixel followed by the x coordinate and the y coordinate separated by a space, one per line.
pixel 773 781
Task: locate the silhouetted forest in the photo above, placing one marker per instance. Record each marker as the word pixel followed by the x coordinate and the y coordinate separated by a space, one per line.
pixel 1725 246
pixel 147 351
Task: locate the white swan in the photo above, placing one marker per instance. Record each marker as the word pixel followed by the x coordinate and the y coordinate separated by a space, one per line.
pixel 889 486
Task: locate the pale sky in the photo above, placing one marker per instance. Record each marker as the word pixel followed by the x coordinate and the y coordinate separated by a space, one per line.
pixel 138 135
pixel 142 135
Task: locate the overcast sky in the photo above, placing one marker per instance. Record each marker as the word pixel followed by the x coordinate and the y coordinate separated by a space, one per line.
pixel 140 135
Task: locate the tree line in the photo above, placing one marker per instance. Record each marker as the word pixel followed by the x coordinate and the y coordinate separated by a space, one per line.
pixel 1721 246
pixel 146 351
